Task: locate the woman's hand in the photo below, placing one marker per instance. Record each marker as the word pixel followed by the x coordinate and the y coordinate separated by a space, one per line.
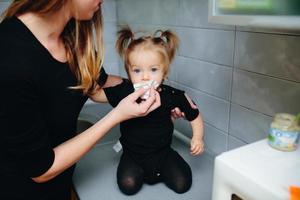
pixel 197 146
pixel 128 108
pixel 176 112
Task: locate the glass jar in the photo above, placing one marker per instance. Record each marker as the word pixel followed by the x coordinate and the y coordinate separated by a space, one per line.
pixel 284 132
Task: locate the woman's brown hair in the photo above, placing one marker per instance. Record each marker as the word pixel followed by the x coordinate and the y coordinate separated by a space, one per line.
pixel 163 42
pixel 83 40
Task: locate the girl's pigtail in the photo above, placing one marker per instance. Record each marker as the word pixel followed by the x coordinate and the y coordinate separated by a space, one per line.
pixel 171 41
pixel 125 36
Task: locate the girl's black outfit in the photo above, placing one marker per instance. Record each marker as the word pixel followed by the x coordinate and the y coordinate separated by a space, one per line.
pixel 38 111
pixel 146 141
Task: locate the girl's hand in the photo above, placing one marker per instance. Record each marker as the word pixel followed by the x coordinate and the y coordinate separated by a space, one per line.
pixel 176 113
pixel 197 146
pixel 128 108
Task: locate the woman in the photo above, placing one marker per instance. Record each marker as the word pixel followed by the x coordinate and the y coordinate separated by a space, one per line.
pixel 49 66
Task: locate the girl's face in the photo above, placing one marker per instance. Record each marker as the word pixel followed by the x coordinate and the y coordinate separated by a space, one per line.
pixel 145 65
pixel 85 9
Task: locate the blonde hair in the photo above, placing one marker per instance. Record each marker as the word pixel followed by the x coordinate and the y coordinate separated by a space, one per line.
pixel 83 40
pixel 165 43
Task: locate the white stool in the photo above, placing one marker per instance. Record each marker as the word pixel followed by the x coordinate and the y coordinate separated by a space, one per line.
pixel 256 172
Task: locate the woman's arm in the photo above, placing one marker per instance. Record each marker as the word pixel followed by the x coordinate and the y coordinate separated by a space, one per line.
pixel 197 143
pixel 69 152
pixel 112 80
pixel 98 94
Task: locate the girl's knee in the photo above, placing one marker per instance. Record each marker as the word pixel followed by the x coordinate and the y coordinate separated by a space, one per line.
pixel 180 184
pixel 129 185
pixel 182 187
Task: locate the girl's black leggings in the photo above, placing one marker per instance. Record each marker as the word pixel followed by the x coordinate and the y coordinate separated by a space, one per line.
pixel 172 170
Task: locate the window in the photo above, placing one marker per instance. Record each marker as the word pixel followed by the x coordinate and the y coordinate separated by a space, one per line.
pixel 280 14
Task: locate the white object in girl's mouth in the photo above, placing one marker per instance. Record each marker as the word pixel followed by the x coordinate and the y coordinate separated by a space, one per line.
pixel 146 85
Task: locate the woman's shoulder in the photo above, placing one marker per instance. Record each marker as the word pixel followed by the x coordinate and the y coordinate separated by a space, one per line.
pixel 6 32
pixel 9 27
pixel 18 49
pixel 14 34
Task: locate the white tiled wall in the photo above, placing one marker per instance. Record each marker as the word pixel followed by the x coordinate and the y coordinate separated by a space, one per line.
pixel 239 77
pixel 210 72
pixel 269 54
pixel 111 60
pixel 3 5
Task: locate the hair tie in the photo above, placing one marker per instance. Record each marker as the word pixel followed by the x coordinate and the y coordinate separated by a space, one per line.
pixel 160 34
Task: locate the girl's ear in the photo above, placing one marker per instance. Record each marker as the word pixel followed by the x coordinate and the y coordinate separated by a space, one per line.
pixel 166 70
pixel 165 77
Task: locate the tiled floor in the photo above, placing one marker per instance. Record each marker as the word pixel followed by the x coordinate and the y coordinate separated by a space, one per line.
pixel 95 177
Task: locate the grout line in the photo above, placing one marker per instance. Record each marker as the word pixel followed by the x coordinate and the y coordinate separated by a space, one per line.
pixel 201 91
pixel 270 32
pixel 251 109
pixel 267 75
pixel 240 139
pixel 231 89
pixel 204 92
pixel 206 61
pixel 176 26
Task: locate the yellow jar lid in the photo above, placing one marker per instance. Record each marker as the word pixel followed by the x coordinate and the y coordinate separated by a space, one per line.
pixel 285 122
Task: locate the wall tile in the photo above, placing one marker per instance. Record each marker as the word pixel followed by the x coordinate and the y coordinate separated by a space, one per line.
pixel 215 140
pixel 110 32
pixel 173 70
pixel 247 125
pixel 122 70
pixel 141 29
pixel 150 12
pixel 112 68
pixel 275 55
pixel 184 127
pixel 234 143
pixel 3 6
pixel 194 13
pixel 214 46
pixel 110 53
pixel 109 10
pixel 267 30
pixel 215 111
pixel 207 77
pixel 265 94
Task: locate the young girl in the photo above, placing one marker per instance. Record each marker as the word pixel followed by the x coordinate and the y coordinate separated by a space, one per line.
pixel 147 154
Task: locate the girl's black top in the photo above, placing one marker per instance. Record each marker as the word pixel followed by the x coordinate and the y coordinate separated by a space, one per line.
pixel 38 111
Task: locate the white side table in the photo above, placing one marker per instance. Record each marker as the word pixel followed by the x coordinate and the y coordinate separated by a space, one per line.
pixel 256 172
